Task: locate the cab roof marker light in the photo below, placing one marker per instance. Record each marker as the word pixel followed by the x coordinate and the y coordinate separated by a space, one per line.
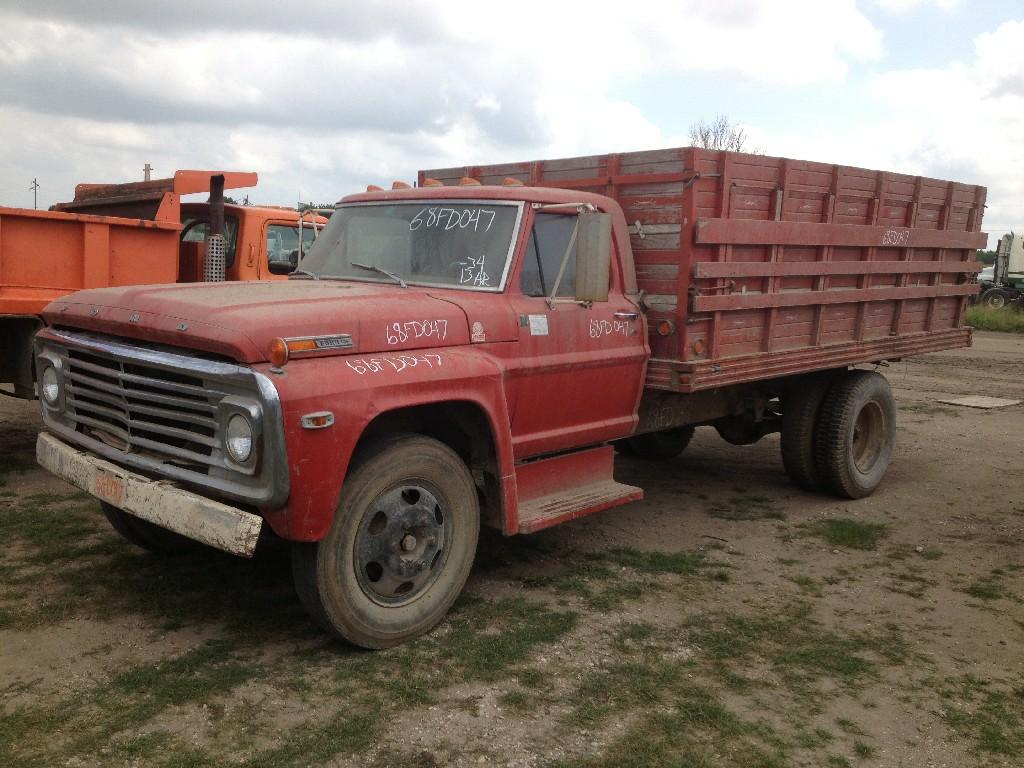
pixel 374 188
pixel 469 181
pixel 401 185
pixel 510 182
pixel 432 183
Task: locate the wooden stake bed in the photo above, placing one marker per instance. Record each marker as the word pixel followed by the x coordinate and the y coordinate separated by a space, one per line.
pixel 770 267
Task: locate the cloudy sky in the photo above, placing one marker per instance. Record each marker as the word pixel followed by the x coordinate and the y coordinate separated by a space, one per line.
pixel 322 98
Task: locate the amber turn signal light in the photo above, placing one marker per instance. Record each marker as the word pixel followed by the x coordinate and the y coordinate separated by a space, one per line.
pixel 665 327
pixel 277 352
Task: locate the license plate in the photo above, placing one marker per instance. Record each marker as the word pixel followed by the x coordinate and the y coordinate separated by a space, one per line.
pixel 109 487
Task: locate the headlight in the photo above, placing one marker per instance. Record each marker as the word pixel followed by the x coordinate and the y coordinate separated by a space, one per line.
pixel 50 385
pixel 238 438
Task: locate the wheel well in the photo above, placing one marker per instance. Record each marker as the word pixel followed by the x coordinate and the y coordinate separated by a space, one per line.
pixel 16 334
pixel 462 426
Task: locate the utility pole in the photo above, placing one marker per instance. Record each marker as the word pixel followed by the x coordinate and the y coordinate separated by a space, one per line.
pixel 146 169
pixel 35 193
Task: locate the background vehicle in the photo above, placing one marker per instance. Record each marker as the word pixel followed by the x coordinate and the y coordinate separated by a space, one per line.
pixel 1007 282
pixel 456 355
pixel 130 234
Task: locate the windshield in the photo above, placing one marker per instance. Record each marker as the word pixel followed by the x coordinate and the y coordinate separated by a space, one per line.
pixel 455 244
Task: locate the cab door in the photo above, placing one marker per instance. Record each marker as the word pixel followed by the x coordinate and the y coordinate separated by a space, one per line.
pixel 578 373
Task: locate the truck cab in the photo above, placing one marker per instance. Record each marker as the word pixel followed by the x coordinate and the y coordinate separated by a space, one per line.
pixel 262 242
pixel 432 364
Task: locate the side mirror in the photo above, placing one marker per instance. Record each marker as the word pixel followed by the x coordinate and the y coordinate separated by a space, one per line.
pixel 593 256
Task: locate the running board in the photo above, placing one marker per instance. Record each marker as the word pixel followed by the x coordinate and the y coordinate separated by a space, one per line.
pixel 562 488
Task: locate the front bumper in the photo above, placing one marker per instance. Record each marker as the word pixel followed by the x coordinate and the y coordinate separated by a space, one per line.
pixel 160 502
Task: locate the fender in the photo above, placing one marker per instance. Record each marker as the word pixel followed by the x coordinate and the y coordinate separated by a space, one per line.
pixel 356 390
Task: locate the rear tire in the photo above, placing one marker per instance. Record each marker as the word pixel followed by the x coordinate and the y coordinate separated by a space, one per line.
pixel 995 298
pixel 400 548
pixel 856 434
pixel 799 417
pixel 147 535
pixel 660 446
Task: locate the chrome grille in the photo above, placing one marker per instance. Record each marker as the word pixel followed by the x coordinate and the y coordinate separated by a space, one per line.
pixel 145 409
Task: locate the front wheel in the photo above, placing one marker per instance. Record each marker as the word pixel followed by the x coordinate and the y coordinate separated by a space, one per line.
pixel 855 434
pixel 400 549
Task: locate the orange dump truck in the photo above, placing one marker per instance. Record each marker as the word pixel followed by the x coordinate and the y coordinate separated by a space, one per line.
pixel 132 234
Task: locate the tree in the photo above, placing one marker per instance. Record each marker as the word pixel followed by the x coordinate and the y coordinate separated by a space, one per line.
pixel 721 133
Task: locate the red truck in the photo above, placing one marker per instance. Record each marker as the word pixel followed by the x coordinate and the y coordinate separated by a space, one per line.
pixel 451 355
pixel 131 234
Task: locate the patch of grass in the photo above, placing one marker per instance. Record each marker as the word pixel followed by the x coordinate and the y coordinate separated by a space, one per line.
pixel 910 583
pixel 682 722
pixel 747 506
pixel 846 725
pixel 991 718
pixel 807 584
pixel 516 700
pixel 1007 319
pixel 848 534
pixel 480 640
pixel 989 587
pixel 863 750
pixel 796 646
pixel 682 563
pixel 124 703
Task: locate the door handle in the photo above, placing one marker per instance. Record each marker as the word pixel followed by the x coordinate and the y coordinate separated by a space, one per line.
pixel 626 315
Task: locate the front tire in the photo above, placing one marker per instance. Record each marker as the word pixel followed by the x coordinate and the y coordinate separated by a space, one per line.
pixel 856 434
pixel 400 548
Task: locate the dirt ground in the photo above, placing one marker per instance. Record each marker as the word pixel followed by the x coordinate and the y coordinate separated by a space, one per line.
pixel 729 619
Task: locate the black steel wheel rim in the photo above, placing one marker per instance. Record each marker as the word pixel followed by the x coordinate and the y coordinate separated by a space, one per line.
pixel 868 437
pixel 402 543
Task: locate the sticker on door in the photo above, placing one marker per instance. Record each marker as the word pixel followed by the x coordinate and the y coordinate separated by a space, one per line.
pixel 538 325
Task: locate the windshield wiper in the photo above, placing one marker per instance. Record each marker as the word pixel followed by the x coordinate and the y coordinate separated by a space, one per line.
pixel 304 272
pixel 381 270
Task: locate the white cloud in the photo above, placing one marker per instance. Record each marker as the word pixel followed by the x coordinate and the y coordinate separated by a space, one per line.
pixel 411 84
pixel 903 6
pixel 964 122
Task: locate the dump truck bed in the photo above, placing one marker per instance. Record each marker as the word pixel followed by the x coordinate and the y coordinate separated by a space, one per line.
pixel 47 254
pixel 768 266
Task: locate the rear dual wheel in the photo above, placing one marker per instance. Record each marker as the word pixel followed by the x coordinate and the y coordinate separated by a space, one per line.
pixel 400 549
pixel 839 432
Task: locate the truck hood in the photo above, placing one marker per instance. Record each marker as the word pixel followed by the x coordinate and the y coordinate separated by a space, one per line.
pixel 239 320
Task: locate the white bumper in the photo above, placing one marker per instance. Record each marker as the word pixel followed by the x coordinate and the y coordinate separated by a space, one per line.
pixel 160 502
